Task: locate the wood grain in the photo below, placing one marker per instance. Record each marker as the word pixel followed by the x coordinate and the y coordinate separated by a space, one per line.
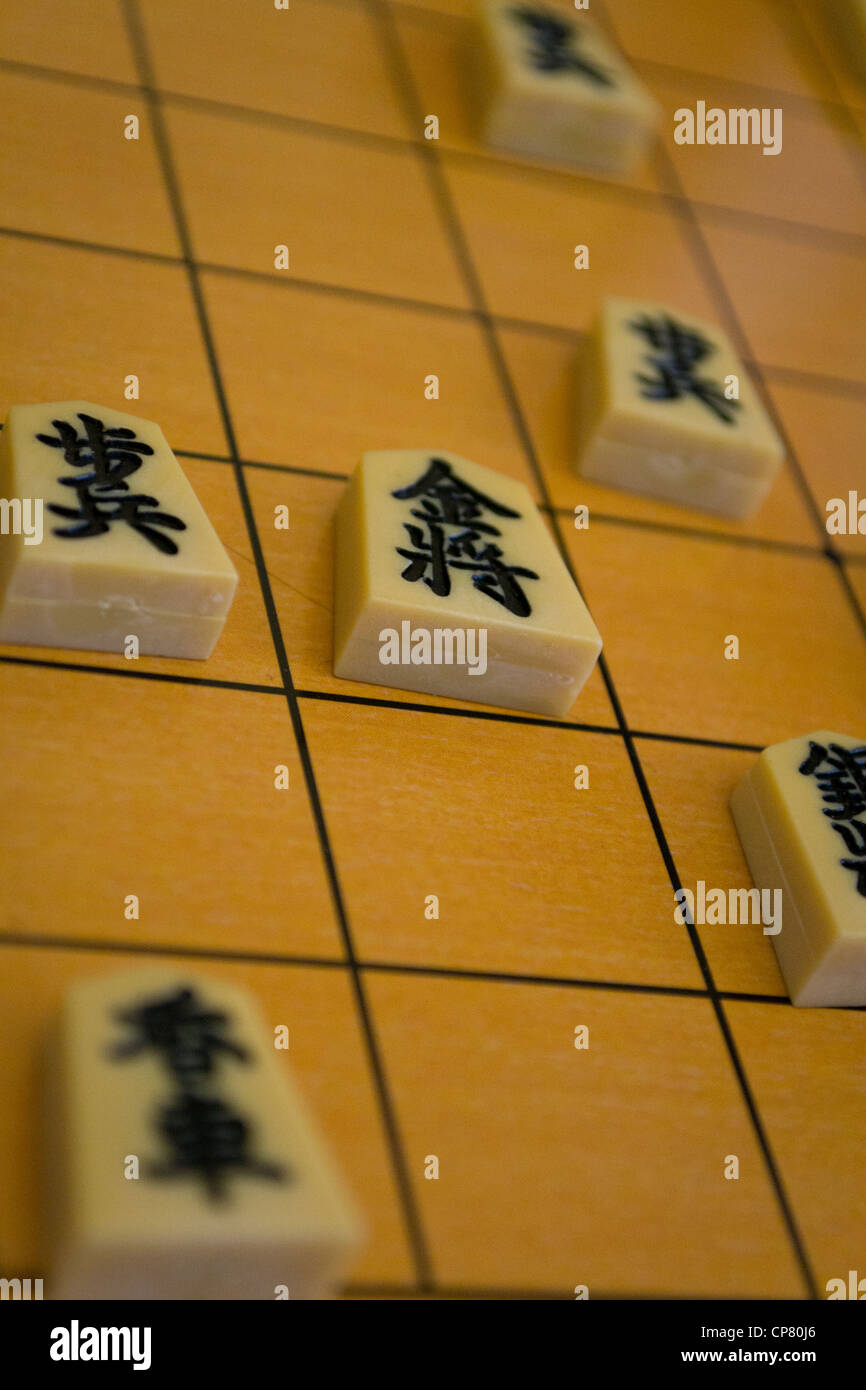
pixel 559 1166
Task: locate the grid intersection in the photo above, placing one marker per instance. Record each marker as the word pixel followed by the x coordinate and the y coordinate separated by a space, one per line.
pixel 356 965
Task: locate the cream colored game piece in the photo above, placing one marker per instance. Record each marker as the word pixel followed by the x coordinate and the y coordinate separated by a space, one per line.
pixel 126 548
pixel 448 582
pixel 184 1164
pixel 665 408
pixel 550 84
pixel 801 816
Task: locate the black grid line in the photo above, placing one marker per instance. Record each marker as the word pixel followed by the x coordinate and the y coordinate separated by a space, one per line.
pixel 794 100
pixel 494 716
pixel 799 31
pixel 133 253
pixel 822 381
pixel 769 224
pixel 489 321
pixel 691 532
pixel 445 19
pixel 327 474
pixel 847 386
pixel 816 232
pixel 718 288
pixel 130 673
pixel 673 528
pixel 137 947
pixel 832 237
pixel 396 1151
pixel 502 716
pixel 450 217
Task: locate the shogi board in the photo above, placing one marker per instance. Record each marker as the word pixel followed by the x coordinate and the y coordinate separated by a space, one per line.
pixel 451 1037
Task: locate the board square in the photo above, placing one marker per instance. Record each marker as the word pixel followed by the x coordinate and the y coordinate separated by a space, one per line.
pixel 785 293
pixel 102 336
pixel 670 602
pixel 548 882
pixel 322 197
pixel 815 177
pixel 56 128
pixel 744 40
pixel 815 1126
pixel 91 38
pixel 315 379
pixel 828 427
pixel 316 60
pixel 164 822
pixel 545 1180
pixel 691 787
pixel 522 236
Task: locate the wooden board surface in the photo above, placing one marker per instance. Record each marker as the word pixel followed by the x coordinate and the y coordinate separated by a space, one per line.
pixel 455 1037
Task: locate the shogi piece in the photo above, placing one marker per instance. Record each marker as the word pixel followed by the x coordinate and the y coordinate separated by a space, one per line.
pixel 550 84
pixel 801 816
pixel 126 546
pixel 448 582
pixel 236 1196
pixel 665 408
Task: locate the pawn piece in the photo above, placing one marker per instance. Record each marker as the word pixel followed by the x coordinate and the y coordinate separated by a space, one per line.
pixel 550 84
pixel 665 408
pixel 800 813
pixel 184 1163
pixel 112 542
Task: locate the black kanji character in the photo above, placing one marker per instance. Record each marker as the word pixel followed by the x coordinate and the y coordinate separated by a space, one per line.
pixel 446 501
pixel 552 43
pixel 185 1034
pixel 859 868
pixel 426 554
pixel 841 776
pixel 842 781
pixel 676 353
pixel 854 837
pixel 450 499
pixel 94 516
pixel 109 455
pixel 211 1141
